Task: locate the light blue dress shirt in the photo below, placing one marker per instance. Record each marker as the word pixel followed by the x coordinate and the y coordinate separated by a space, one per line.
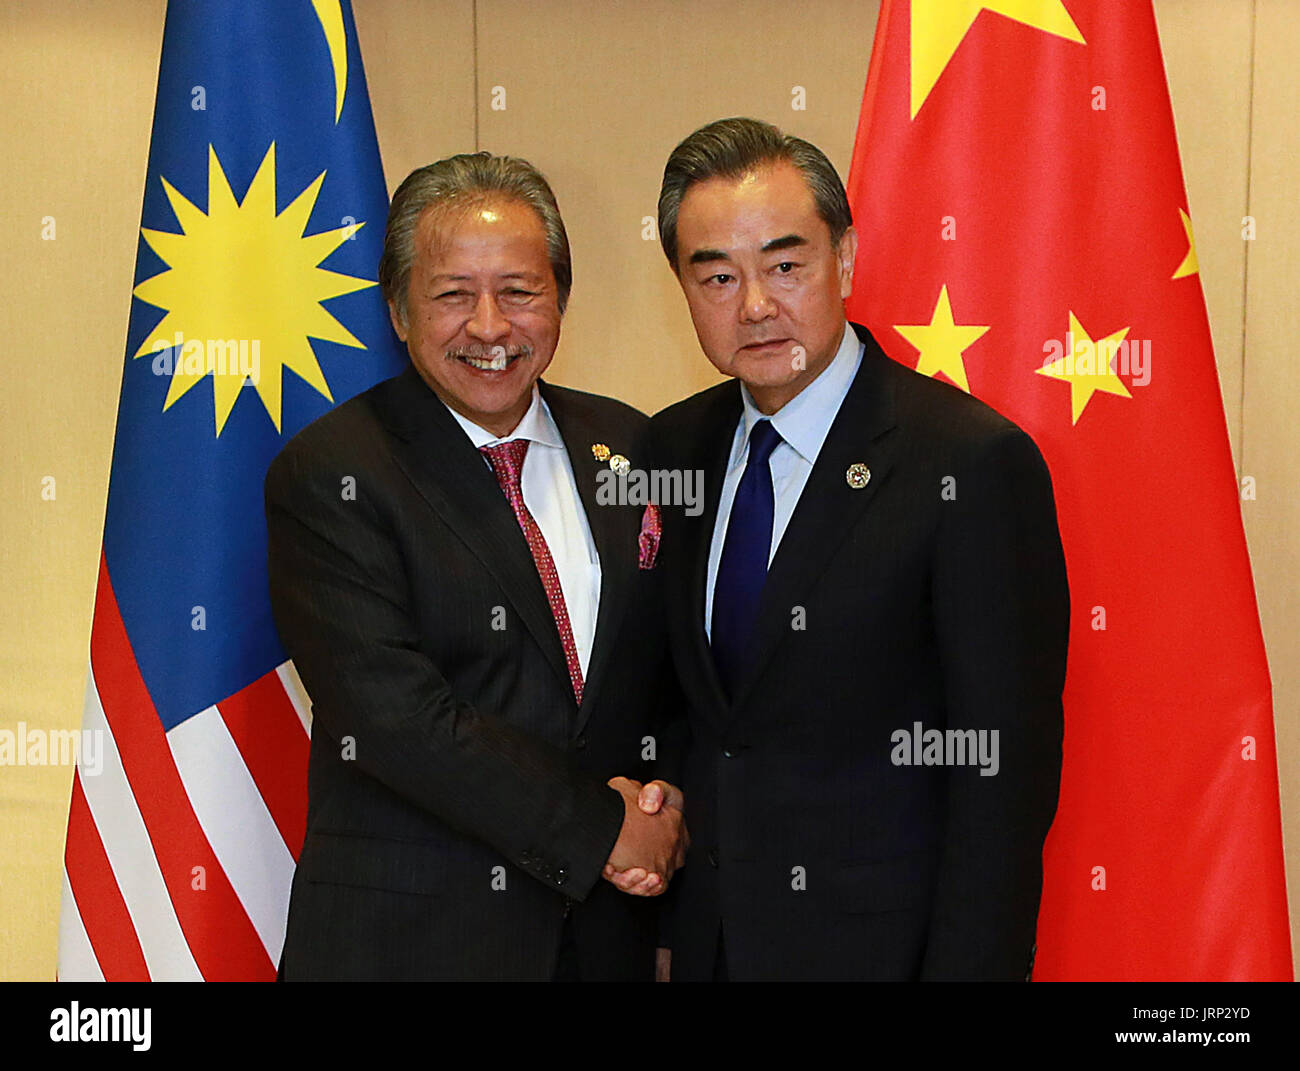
pixel 803 424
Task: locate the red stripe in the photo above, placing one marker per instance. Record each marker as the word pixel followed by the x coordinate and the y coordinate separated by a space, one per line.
pixel 268 732
pixel 99 901
pixel 217 928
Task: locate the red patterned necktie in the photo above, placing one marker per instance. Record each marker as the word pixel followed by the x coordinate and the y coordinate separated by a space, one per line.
pixel 507 461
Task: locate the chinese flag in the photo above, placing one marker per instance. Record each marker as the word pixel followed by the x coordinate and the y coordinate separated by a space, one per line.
pixel 1025 236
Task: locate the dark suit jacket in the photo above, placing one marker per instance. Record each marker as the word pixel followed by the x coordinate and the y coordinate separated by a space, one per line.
pixel 884 606
pixel 457 808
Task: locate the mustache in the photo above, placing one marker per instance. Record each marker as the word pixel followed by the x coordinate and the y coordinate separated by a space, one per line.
pixel 487 353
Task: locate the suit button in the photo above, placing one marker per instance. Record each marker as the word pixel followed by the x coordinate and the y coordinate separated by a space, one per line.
pixel 728 753
pixel 561 876
pixel 581 743
pixel 713 857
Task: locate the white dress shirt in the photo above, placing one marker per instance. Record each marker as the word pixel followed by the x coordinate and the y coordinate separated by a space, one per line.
pixel 803 424
pixel 551 495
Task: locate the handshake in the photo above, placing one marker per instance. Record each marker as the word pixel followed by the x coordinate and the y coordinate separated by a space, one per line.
pixel 653 841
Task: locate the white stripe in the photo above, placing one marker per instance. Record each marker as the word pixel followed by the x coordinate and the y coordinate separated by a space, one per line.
pixel 131 855
pixel 77 962
pixel 288 674
pixel 244 836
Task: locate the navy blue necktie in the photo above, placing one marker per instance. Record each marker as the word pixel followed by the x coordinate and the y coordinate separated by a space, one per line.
pixel 742 568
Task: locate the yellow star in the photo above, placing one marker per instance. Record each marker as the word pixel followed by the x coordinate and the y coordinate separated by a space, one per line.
pixel 941 342
pixel 938 27
pixel 1189 265
pixel 243 280
pixel 1086 366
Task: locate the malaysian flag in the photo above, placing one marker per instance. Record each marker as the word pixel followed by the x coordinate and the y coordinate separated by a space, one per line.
pixel 261 228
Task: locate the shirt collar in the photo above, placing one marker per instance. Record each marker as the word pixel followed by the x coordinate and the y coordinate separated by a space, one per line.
pixel 537 426
pixel 805 420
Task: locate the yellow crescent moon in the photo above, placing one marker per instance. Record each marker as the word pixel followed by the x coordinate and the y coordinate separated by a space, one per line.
pixel 330 13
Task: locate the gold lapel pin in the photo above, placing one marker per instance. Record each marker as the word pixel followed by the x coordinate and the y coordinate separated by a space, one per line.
pixel 858 475
pixel 600 451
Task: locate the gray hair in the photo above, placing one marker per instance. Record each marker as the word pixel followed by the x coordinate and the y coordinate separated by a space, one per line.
pixel 731 148
pixel 463 181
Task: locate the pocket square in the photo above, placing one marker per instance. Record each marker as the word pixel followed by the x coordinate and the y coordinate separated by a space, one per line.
pixel 648 540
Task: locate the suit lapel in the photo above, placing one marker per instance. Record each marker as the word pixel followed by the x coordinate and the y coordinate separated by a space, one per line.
pixel 711 455
pixel 828 508
pixel 451 476
pixel 614 529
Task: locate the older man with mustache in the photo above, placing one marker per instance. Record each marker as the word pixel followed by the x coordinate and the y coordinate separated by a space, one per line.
pixel 481 638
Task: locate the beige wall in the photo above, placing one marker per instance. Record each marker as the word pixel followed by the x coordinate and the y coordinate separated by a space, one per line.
pixel 596 95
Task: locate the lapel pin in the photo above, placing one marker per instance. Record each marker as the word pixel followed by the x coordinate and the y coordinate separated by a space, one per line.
pixel 600 451
pixel 620 464
pixel 858 475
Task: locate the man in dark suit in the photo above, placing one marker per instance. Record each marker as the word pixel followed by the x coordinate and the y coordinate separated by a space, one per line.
pixel 869 618
pixel 479 633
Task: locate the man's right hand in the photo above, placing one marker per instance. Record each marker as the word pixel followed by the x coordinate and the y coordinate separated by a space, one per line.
pixel 652 843
pixel 659 794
